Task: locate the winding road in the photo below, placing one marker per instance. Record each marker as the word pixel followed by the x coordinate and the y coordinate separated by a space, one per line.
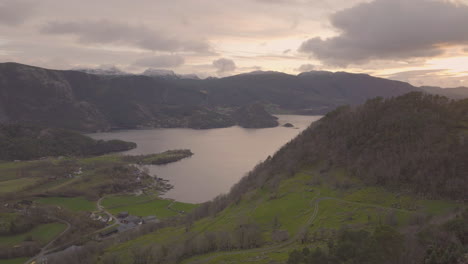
pixel 44 249
pixel 111 216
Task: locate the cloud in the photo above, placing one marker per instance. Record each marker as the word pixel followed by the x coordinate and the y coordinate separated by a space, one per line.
pixel 224 65
pixel 161 61
pixel 391 29
pixel 433 77
pixel 288 2
pixel 109 32
pixel 15 12
pixel 407 75
pixel 306 68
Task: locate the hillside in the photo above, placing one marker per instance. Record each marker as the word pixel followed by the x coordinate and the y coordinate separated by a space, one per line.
pixel 416 142
pixel 22 142
pixel 454 93
pixel 254 116
pixel 89 102
pixel 383 182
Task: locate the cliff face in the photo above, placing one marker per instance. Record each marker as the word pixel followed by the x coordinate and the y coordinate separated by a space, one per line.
pixel 88 102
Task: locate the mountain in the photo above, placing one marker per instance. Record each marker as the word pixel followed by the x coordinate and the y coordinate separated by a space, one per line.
pixel 104 70
pixel 454 93
pixel 159 73
pixel 168 74
pixel 90 102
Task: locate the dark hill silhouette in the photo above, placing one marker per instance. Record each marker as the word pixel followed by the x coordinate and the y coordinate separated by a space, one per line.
pixel 89 102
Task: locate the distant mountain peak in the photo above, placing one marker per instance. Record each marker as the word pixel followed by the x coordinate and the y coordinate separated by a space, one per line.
pixel 158 72
pixel 151 72
pixel 262 73
pixel 103 70
pixel 191 76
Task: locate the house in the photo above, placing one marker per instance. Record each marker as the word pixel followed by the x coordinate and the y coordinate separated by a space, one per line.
pixel 103 218
pixel 122 215
pixel 125 227
pixel 23 204
pixel 108 232
pixel 132 219
pixel 79 171
pixel 280 235
pixel 150 219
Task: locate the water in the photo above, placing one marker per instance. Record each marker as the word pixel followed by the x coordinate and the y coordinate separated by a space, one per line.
pixel 221 156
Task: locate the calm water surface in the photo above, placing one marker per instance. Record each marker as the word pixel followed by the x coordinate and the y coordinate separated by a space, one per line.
pixel 221 156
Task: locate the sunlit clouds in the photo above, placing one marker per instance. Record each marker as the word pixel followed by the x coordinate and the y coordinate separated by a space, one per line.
pixel 420 41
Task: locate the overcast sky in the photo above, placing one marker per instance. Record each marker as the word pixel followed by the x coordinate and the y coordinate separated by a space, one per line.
pixel 424 42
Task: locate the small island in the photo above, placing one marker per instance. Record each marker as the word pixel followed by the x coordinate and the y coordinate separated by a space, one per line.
pixel 160 158
pixel 288 125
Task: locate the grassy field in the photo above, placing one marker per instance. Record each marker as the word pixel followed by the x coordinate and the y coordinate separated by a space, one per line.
pixel 155 207
pixel 122 200
pixel 13 261
pixel 144 205
pixel 15 185
pixel 42 233
pixel 183 207
pixel 73 204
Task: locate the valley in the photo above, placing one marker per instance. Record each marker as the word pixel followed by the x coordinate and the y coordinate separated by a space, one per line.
pixel 313 202
pixel 234 132
pixel 52 203
pixel 83 197
pixel 201 171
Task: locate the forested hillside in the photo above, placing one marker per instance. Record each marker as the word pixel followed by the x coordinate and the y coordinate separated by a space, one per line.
pixel 416 142
pixel 22 142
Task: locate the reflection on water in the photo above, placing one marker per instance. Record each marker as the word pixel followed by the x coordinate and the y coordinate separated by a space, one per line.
pixel 222 156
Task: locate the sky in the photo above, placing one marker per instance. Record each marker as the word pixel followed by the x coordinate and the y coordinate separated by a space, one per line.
pixel 424 42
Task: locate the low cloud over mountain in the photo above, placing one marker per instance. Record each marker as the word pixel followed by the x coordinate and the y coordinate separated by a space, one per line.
pixel 224 65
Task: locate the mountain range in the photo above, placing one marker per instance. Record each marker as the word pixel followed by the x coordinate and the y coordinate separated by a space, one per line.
pixel 89 102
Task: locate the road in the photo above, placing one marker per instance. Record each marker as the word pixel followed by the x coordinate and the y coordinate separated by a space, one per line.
pixel 44 249
pixel 111 216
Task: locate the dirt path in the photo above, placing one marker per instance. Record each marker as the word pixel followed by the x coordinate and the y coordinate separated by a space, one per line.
pixel 169 207
pixel 111 216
